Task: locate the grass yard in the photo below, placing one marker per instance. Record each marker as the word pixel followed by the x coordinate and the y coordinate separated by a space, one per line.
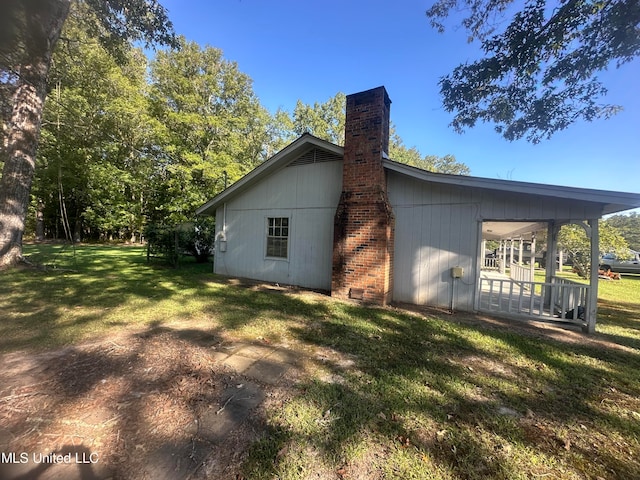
pixel 383 393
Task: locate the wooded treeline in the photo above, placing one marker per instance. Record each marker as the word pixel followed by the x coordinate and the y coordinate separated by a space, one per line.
pixel 130 140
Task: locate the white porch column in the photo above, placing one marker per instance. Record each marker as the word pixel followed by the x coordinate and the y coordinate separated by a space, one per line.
pixel 483 253
pixel 510 251
pixel 533 255
pixel 552 250
pixel 560 259
pixel 591 310
pixel 503 257
pixel 521 251
pixel 550 267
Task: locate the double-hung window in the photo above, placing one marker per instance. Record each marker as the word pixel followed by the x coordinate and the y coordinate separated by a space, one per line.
pixel 278 237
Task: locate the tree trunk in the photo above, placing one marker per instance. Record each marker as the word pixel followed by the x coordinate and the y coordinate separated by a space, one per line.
pixel 43 21
pixel 77 229
pixel 40 221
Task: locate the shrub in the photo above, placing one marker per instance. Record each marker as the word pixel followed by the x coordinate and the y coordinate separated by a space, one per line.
pixel 172 241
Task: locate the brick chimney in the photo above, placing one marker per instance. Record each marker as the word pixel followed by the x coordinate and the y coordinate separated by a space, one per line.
pixel 364 222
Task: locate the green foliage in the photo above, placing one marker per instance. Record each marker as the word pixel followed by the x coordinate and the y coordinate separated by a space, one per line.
pixel 171 242
pixel 201 240
pixel 121 148
pixel 26 51
pixel 629 227
pixel 322 120
pixel 432 163
pixel 144 20
pixel 211 126
pixel 538 74
pixel 90 164
pixel 326 120
pixel 116 23
pixel 574 241
pixel 164 241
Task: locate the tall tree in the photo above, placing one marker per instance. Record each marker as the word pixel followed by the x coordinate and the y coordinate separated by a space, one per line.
pixel 629 227
pixel 26 49
pixel 92 160
pixel 538 75
pixel 326 120
pixel 215 127
pixel 432 163
pixel 574 241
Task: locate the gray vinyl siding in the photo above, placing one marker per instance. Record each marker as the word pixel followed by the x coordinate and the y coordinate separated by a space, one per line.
pixel 438 226
pixel 308 195
pixel 436 229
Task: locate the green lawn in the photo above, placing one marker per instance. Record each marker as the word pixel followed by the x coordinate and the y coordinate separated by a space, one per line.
pixel 618 306
pixel 396 395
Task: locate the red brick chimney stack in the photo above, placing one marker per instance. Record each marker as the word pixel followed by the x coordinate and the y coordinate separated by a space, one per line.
pixel 364 222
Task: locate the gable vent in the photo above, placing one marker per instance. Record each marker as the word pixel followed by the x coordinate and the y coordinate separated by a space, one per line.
pixel 315 155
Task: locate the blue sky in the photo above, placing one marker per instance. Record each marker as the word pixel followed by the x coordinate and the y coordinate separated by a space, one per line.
pixel 310 50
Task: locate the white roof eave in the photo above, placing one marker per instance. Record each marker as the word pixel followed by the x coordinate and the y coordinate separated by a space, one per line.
pixel 611 201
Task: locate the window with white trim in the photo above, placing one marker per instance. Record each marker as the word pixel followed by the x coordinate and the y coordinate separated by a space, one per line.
pixel 278 237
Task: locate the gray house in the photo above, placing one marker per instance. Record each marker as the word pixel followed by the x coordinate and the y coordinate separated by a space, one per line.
pixel 352 221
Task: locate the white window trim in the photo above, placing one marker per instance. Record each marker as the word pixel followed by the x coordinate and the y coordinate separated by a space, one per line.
pixel 266 237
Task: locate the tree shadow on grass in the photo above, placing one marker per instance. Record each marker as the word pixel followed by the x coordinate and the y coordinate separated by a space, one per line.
pixel 415 394
pixel 424 388
pixel 49 308
pixel 621 315
pixel 140 403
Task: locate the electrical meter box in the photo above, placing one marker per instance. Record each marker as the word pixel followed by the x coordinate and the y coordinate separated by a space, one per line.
pixel 457 272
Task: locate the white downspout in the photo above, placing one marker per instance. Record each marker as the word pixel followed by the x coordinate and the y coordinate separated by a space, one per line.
pixel 224 218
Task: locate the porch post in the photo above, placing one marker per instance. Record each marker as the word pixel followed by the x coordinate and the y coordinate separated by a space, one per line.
pixel 521 250
pixel 483 251
pixel 550 267
pixel 560 259
pixel 510 252
pixel 591 310
pixel 479 265
pixel 503 257
pixel 552 250
pixel 533 254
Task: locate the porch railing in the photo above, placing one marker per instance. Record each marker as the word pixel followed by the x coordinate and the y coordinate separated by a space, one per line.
pixel 569 298
pixel 491 264
pixel 520 274
pixel 559 298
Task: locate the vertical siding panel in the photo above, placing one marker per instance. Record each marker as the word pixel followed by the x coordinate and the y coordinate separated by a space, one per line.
pixel 403 254
pixel 444 254
pixel 456 253
pixel 309 195
pixel 436 230
pixel 420 257
pixel 426 223
pixel 406 241
pixel 310 255
pixel 469 247
pixel 433 277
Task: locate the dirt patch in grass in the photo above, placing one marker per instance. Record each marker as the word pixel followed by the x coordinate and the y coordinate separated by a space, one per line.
pixel 132 406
